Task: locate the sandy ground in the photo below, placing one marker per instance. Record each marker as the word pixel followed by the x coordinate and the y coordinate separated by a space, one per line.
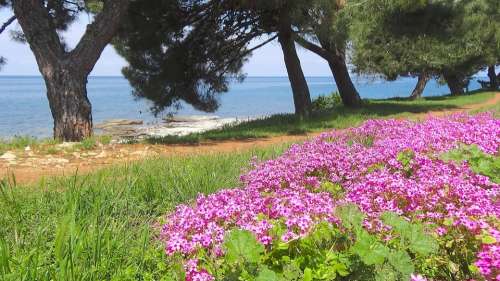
pixel 28 168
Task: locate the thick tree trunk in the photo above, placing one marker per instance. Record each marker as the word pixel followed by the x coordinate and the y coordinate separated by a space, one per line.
pixel 301 95
pixel 455 83
pixel 493 77
pixel 65 73
pixel 348 93
pixel 423 78
pixel 70 107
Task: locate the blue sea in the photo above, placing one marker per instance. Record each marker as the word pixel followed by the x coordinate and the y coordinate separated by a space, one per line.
pixel 24 108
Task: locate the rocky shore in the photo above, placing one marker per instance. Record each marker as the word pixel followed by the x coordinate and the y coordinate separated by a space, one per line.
pixel 170 126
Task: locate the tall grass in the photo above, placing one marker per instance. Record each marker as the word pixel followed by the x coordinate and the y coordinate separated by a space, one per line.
pixel 102 226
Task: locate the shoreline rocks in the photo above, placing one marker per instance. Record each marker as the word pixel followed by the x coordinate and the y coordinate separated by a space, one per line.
pixel 181 125
pixel 8 156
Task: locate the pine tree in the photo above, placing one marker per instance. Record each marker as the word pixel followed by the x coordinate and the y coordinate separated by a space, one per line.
pixel 440 39
pixel 193 53
pixel 65 71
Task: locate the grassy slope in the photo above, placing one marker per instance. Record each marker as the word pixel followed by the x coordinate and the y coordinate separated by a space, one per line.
pixel 339 117
pixel 99 227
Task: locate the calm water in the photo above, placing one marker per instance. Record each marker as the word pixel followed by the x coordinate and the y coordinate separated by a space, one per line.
pixel 24 108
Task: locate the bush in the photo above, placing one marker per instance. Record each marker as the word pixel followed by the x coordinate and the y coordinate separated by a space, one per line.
pixel 325 103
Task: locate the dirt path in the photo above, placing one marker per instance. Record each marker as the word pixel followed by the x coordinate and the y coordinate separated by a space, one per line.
pixel 27 167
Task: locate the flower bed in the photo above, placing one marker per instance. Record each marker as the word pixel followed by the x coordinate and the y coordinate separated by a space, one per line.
pixel 406 168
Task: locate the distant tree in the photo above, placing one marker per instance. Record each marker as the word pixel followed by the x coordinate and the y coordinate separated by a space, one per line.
pixel 421 38
pixel 324 31
pixel 490 32
pixel 65 71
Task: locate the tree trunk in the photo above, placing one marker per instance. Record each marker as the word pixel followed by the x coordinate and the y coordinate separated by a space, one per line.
pixel 423 78
pixel 65 73
pixel 348 93
pixel 70 107
pixel 493 77
pixel 455 83
pixel 301 95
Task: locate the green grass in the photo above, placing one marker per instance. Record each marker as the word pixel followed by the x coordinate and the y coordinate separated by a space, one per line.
pixel 102 226
pixel 20 142
pixel 48 146
pixel 335 118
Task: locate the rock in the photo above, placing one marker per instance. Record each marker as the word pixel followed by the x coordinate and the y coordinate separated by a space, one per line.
pixel 186 128
pixel 56 161
pixel 28 148
pixel 190 118
pixel 118 122
pixel 144 153
pixel 9 156
pixel 103 154
pixel 76 155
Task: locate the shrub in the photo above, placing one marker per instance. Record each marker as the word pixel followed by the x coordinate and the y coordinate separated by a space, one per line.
pixel 324 103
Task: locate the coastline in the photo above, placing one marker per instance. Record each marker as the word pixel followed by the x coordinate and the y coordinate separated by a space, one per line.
pixel 179 125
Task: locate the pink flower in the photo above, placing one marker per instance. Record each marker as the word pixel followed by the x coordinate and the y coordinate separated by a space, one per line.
pixel 362 166
pixel 417 277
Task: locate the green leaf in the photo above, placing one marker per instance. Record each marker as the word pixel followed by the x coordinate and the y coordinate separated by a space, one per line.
pixel 419 242
pixel 308 275
pixel 473 268
pixel 341 269
pixel 413 234
pixel 350 215
pixel 386 273
pixel 369 250
pixel 399 224
pixel 266 274
pixel 488 239
pixel 402 262
pixel 292 272
pixel 241 246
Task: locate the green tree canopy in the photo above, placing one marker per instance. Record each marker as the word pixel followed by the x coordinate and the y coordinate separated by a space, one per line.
pixel 437 37
pixel 184 50
pixel 190 50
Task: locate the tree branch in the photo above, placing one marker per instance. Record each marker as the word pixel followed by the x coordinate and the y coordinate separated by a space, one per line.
pixel 40 33
pixel 98 34
pixel 247 52
pixel 320 51
pixel 260 45
pixel 7 23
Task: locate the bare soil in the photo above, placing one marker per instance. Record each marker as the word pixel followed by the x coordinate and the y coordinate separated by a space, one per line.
pixel 29 167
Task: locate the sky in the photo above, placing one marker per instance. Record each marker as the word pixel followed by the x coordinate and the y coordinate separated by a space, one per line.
pixel 266 61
